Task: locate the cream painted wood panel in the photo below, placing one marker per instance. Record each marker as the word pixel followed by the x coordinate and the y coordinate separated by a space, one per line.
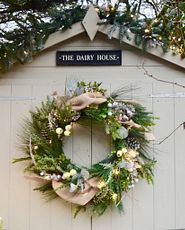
pixel 179 163
pixel 5 126
pixel 164 173
pixel 39 208
pixel 147 207
pixel 100 148
pixel 18 200
pixel 143 204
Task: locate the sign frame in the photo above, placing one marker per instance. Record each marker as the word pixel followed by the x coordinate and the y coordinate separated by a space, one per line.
pixel 89 58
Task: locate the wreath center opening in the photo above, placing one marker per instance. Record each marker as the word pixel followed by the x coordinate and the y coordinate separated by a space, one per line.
pixel 88 143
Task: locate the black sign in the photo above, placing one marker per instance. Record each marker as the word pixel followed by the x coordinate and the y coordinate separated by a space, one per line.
pixel 88 57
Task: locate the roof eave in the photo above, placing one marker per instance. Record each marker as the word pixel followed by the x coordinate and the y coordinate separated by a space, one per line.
pixel 156 51
pixel 81 27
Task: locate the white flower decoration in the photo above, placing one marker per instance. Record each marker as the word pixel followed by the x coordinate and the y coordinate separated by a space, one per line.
pixel 124 150
pixel 67 133
pixel 59 131
pixel 66 176
pixel 68 127
pixel 73 172
pixel 119 153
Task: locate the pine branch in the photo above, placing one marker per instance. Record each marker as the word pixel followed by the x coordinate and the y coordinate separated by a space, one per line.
pixel 180 24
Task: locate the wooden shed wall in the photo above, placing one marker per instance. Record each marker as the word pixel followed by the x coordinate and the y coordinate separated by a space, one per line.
pixel 147 207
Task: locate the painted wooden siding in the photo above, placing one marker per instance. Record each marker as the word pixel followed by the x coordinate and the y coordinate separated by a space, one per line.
pixel 147 207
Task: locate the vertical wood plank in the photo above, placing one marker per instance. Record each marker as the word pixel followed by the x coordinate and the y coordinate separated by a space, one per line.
pixel 81 155
pixel 61 211
pixel 124 79
pixel 19 187
pixel 101 147
pixel 40 210
pixel 179 157
pixel 164 213
pixel 5 90
pixel 143 192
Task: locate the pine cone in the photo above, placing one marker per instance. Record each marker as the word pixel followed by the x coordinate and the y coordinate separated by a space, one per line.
pixel 52 121
pixel 44 133
pixel 132 143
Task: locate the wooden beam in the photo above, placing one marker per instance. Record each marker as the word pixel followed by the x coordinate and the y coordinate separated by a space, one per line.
pixel 61 36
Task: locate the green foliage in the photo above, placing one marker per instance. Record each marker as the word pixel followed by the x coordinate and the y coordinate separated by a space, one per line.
pixel 33 25
pixel 21 159
pixel 47 190
pixel 165 29
pixel 51 164
pixel 102 170
pixel 91 87
pixel 98 208
pixel 146 171
pixel 77 209
pixel 143 117
pixel 47 147
pixel 95 113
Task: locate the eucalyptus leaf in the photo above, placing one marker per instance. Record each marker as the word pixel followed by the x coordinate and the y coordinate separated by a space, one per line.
pixel 122 164
pixel 79 90
pixel 82 186
pixel 126 165
pixel 85 173
pixel 74 178
pixel 70 87
pixel 123 132
pixel 73 187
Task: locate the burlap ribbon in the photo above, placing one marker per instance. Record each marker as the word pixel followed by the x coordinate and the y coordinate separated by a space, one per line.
pixel 77 197
pixel 85 100
pixel 80 198
pixel 131 124
pixel 149 136
pixel 80 102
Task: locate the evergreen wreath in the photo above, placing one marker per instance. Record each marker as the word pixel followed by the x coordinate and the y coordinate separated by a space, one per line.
pixel 104 183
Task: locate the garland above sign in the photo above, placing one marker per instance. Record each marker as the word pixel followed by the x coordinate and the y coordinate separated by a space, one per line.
pixel 24 28
pixel 105 182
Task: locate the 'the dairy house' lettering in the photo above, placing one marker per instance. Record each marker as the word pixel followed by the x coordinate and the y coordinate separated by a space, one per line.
pixel 89 57
pixel 85 57
pixel 107 57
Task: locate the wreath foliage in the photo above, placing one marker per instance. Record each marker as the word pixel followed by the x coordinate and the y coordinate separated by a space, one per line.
pixel 105 182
